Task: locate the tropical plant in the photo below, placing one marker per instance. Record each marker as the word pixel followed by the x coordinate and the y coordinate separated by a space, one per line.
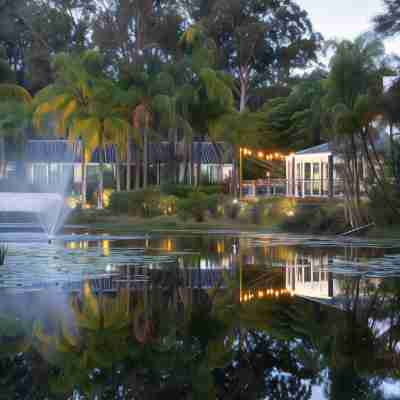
pixel 354 84
pixel 86 106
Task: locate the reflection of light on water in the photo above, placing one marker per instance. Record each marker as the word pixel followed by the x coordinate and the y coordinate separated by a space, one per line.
pixel 106 247
pixel 168 245
pixel 72 245
pixel 220 247
pixel 84 244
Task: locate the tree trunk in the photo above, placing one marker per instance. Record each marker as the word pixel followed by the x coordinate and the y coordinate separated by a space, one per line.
pixel 191 161
pixel 392 153
pixel 129 165
pixel 137 169
pixel 243 88
pixel 145 158
pixel 198 165
pixel 84 176
pixel 118 171
pixel 101 167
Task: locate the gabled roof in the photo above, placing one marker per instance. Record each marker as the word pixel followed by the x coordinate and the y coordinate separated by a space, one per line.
pixel 59 150
pixel 322 148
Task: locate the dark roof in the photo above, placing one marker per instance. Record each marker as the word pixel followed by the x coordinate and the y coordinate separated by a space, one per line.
pixel 322 148
pixel 51 151
pixel 41 150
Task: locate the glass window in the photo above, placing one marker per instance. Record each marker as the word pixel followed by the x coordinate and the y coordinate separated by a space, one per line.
pixel 307 171
pixel 298 166
pixel 39 174
pixel 316 171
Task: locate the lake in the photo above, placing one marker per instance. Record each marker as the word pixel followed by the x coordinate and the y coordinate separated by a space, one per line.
pixel 191 315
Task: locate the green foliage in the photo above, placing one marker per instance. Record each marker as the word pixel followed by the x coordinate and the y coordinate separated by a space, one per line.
pixel 145 203
pixel 195 206
pixel 184 191
pixel 295 121
pixel 316 218
pixel 379 213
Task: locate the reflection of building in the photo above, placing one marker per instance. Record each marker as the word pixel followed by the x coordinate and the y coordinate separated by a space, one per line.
pixel 309 276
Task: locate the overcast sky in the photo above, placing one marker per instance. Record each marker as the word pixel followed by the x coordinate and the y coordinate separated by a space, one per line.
pixel 346 18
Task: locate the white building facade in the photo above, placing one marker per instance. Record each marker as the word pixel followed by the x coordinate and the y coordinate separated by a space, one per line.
pixel 313 172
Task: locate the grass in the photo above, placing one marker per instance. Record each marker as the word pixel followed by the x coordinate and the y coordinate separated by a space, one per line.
pixel 124 223
pixel 384 232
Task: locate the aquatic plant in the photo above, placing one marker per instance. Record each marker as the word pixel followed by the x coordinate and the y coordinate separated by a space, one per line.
pixel 3 254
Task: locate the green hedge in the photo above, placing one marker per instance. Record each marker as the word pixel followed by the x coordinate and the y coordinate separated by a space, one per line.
pixel 146 203
pixel 184 191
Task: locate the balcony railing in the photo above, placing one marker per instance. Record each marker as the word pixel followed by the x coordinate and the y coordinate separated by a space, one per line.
pixel 279 187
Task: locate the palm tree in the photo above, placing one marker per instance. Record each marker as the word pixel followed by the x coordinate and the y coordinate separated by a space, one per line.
pixel 353 83
pixel 86 106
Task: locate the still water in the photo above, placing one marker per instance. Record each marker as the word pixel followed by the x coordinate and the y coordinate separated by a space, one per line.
pixel 200 316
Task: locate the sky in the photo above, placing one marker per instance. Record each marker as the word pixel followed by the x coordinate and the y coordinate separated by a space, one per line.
pixel 346 19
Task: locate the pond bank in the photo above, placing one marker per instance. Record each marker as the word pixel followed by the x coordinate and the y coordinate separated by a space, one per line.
pixel 104 220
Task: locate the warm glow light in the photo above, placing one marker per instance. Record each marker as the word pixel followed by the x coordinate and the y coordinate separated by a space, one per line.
pixel 260 154
pixel 245 297
pixel 276 155
pixel 260 293
pixel 106 247
pixel 249 152
pixel 168 245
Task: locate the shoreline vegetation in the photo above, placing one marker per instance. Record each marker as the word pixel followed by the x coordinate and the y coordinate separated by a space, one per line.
pixel 183 208
pixel 104 220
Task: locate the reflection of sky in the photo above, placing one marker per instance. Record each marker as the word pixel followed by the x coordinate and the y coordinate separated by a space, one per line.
pixel 318 393
pixel 391 388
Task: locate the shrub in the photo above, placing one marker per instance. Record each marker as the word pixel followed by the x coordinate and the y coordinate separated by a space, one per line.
pixel 195 206
pixel 168 205
pixel 215 205
pixel 314 218
pixel 184 191
pixel 260 211
pixel 181 191
pixel 378 208
pixel 144 203
pixel 282 207
pixel 232 209
pixel 119 202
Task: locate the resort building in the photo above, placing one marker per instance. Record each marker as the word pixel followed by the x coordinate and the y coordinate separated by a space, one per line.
pixel 313 172
pixel 47 162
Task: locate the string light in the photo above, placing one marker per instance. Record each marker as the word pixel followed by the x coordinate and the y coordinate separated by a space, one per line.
pixel 265 294
pixel 264 155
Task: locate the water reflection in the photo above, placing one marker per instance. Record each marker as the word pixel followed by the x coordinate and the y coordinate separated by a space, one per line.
pixel 219 318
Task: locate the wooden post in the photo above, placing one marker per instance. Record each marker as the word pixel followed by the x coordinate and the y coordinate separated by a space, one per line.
pixel 294 181
pixel 330 176
pixel 129 164
pixel 240 173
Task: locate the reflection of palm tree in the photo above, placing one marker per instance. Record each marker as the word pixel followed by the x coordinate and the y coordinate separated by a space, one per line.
pixel 99 339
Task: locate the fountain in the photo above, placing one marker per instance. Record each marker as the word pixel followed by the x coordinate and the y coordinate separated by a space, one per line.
pixel 50 209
